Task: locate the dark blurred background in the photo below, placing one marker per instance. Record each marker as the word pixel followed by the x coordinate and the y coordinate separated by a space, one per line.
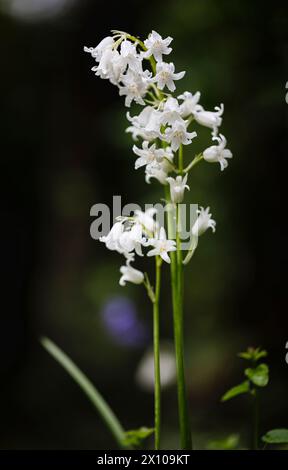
pixel 64 149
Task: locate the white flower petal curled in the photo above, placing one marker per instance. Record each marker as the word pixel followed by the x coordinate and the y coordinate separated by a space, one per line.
pixel 165 76
pixel 111 240
pixel 218 153
pixel 97 52
pixel 189 103
pixel 203 222
pixel 130 274
pixel 211 119
pixel 177 187
pixel 110 66
pixel 157 46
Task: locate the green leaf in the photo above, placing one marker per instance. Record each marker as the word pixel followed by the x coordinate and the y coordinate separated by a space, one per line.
pixel 245 355
pixel 235 391
pixel 259 354
pixel 135 437
pixel 228 443
pixel 259 375
pixel 276 436
pixel 89 389
pixel 253 354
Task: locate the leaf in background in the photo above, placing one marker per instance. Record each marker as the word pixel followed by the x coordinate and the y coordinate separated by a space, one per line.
pixel 259 375
pixel 135 437
pixel 259 354
pixel 276 436
pixel 228 443
pixel 253 354
pixel 235 391
pixel 108 416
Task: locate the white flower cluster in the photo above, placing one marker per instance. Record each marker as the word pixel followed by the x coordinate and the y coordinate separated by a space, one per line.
pixel 163 126
pixel 129 234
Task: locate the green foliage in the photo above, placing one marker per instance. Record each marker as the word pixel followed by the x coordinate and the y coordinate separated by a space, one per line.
pixel 230 442
pixel 253 354
pixel 237 390
pixel 135 437
pixel 276 436
pixel 259 375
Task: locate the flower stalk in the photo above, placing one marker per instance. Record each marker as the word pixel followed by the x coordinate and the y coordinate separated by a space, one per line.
pixel 162 127
pixel 156 344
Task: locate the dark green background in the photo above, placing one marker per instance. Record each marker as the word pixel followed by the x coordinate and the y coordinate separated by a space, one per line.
pixel 64 148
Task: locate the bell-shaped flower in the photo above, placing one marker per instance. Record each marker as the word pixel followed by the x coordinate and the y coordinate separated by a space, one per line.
pixel 203 222
pixel 211 119
pixel 146 219
pixel 171 112
pixel 110 66
pixel 130 56
pixel 157 46
pixel 130 274
pixel 146 125
pixel 97 52
pixel 162 246
pixel 165 76
pixel 134 87
pixel 189 103
pixel 218 153
pixel 178 134
pixel 131 240
pixel 156 172
pixel 177 187
pixel 147 154
pixel 160 171
pixel 111 240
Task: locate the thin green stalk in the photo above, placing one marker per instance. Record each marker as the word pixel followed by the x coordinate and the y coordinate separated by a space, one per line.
pixel 156 344
pixel 177 301
pixel 256 420
pixel 185 426
pixel 180 159
pixel 90 391
pixel 194 162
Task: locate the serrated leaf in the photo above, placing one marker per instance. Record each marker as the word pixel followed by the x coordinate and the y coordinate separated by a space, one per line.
pixel 276 436
pixel 228 443
pixel 135 437
pixel 259 375
pixel 235 391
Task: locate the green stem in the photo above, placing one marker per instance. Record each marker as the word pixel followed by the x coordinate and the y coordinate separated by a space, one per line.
pixel 156 337
pixel 177 301
pixel 180 159
pixel 194 162
pixel 256 420
pixel 185 426
pixel 90 391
